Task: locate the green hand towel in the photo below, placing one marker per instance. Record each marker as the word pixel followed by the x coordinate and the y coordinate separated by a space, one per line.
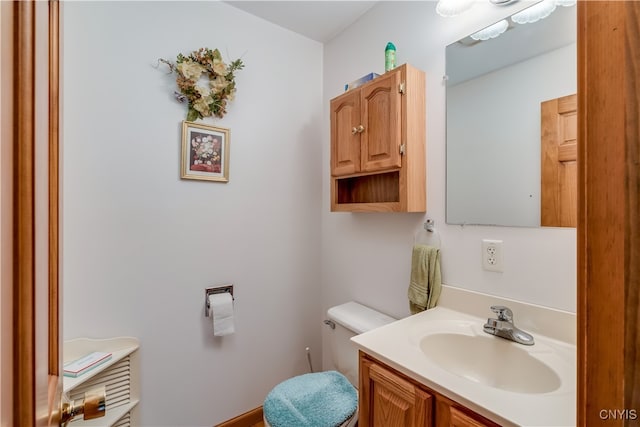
pixel 426 282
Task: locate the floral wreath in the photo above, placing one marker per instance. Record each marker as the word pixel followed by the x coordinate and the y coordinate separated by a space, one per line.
pixel 204 101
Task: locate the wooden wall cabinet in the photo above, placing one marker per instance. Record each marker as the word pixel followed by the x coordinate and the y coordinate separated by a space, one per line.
pixel 390 399
pixel 378 139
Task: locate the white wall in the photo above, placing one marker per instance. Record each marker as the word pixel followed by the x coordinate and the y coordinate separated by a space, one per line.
pixel 367 257
pixel 140 245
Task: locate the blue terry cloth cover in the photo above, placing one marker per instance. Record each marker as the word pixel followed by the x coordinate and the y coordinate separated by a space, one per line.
pixel 322 399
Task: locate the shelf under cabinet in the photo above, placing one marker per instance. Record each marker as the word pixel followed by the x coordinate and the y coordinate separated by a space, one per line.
pixel 378 188
pixel 373 192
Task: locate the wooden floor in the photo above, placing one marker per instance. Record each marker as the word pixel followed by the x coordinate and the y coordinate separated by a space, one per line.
pixel 250 419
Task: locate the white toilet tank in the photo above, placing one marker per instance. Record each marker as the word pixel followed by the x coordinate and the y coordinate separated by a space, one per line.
pixel 351 319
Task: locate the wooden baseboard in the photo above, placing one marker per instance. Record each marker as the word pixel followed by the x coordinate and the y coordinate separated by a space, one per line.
pixel 248 419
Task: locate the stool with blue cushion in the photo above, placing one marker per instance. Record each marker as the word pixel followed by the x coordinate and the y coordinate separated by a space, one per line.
pixel 322 399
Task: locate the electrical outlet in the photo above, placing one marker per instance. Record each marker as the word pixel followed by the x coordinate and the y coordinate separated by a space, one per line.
pixel 492 255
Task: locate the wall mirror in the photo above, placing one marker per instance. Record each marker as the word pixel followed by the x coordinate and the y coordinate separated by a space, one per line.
pixel 511 136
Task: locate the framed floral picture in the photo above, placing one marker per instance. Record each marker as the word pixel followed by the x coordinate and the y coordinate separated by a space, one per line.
pixel 205 152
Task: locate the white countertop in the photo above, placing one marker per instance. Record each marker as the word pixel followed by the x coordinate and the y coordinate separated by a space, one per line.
pixel 398 345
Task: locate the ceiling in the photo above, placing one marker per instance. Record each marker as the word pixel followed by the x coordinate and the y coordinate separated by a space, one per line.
pixel 317 20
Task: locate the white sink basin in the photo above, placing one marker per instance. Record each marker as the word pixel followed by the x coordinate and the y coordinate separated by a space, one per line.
pixel 491 361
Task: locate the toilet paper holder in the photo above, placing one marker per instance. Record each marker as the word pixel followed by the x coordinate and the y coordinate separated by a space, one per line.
pixel 216 290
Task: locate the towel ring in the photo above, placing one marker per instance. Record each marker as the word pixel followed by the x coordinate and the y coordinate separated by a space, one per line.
pixel 429 236
pixel 429 225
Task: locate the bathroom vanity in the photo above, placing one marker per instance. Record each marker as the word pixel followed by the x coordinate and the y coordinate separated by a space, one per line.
pixel 440 368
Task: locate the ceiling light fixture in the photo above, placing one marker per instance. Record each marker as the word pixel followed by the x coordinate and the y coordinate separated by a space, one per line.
pixel 492 31
pixel 566 3
pixel 450 8
pixel 535 13
pixel 540 11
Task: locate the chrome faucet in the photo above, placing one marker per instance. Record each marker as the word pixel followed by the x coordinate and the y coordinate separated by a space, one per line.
pixel 503 326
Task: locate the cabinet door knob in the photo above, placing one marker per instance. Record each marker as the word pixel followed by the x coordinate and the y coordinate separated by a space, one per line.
pixel 359 129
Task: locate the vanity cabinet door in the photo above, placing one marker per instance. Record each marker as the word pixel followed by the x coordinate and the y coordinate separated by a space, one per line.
pixel 388 400
pixel 460 419
pixel 450 414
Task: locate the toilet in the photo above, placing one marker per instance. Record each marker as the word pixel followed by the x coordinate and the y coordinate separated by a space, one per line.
pixel 326 399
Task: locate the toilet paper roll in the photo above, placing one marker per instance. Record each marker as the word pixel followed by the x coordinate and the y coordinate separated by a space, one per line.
pixel 221 312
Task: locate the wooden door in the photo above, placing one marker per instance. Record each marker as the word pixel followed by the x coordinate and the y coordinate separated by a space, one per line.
pixel 609 213
pixel 387 400
pixel 30 357
pixel 382 120
pixel 559 157
pixel 345 134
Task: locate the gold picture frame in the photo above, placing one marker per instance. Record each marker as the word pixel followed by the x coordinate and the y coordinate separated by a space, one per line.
pixel 205 152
